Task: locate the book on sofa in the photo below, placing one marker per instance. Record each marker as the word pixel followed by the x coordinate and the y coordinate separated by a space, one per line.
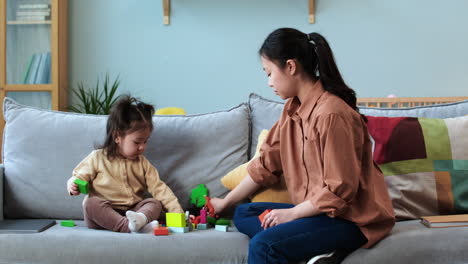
pixel 445 220
pixel 24 226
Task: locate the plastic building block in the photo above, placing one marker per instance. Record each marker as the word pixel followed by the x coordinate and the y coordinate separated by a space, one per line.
pixel 260 217
pixel 161 231
pixel 203 216
pixel 223 228
pixel 82 186
pixel 175 220
pixel 67 223
pixel 211 220
pixel 178 229
pixel 223 221
pixel 196 197
pixel 202 226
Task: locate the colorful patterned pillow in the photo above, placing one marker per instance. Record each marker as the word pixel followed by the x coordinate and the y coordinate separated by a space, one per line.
pixel 425 163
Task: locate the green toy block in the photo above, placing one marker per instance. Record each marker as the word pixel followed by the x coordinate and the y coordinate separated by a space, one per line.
pixel 175 220
pixel 211 220
pixel 197 195
pixel 67 223
pixel 223 221
pixel 82 186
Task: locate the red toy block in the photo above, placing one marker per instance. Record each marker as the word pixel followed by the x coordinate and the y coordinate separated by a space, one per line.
pixel 263 215
pixel 161 231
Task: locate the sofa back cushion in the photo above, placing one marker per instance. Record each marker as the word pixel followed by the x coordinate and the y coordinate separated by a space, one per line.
pixel 263 115
pixel 41 148
pixel 425 163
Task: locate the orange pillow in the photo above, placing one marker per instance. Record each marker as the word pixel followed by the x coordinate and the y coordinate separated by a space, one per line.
pixel 277 193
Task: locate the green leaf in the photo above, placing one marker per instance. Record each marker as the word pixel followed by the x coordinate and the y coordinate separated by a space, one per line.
pixel 95 100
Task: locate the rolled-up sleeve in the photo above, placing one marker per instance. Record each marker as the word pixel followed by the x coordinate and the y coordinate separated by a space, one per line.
pixel 341 147
pixel 86 170
pixel 266 169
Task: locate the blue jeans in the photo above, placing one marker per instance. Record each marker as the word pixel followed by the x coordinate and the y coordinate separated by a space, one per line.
pixel 297 240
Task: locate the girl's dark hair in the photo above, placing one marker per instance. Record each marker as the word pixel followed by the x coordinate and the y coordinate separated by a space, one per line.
pixel 127 115
pixel 314 54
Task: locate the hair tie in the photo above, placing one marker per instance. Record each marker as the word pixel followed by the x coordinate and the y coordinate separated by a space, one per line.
pixel 309 39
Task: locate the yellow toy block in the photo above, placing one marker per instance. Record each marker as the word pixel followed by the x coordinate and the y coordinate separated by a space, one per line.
pixel 175 220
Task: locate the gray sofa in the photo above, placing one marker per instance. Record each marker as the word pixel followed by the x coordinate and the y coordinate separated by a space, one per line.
pixel 40 149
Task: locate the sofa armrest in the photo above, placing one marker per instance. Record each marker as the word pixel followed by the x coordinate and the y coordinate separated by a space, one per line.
pixel 1 191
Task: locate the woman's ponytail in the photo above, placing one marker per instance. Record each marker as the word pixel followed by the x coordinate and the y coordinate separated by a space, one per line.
pixel 328 72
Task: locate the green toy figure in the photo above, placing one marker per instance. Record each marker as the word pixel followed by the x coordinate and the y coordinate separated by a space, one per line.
pixel 197 196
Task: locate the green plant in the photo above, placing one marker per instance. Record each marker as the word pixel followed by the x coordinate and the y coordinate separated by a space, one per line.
pixel 95 100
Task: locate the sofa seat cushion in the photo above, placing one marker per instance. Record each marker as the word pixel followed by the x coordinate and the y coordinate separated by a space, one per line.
pixel 412 242
pixel 79 244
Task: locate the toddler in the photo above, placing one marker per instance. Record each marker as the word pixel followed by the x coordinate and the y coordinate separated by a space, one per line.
pixel 118 174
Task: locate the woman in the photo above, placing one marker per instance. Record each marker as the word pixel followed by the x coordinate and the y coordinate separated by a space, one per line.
pixel 321 146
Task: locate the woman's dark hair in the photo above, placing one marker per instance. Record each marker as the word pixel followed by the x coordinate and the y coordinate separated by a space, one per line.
pixel 127 115
pixel 314 54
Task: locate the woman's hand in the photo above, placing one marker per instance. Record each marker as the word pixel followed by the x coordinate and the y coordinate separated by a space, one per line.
pixel 218 205
pixel 278 216
pixel 281 216
pixel 72 187
pixel 245 188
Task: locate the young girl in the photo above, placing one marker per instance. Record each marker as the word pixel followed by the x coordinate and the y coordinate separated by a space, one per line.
pixel 118 174
pixel 321 145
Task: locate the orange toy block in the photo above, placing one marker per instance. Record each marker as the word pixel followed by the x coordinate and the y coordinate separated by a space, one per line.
pixel 161 231
pixel 263 215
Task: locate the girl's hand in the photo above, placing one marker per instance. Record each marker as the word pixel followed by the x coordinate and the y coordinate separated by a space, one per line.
pixel 278 216
pixel 218 205
pixel 72 187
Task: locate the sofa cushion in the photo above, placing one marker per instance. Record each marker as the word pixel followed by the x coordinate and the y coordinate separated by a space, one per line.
pixel 77 245
pixel 425 163
pixel 412 242
pixel 277 193
pixel 41 148
pixel 263 115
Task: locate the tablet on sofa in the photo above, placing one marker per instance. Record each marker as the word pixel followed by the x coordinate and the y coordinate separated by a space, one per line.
pixel 24 226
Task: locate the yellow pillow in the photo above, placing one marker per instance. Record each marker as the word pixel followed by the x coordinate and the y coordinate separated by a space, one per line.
pixel 170 111
pixel 276 193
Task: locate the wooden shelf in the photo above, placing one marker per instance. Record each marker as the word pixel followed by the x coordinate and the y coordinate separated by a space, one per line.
pixel 28 22
pixel 166 11
pixel 311 11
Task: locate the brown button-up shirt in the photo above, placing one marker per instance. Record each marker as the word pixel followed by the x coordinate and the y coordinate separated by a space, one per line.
pixel 323 148
pixel 123 182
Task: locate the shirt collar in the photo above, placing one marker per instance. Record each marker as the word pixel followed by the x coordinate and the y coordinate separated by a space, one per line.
pixel 304 108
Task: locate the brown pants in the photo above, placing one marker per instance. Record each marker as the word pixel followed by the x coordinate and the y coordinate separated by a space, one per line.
pixel 99 214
